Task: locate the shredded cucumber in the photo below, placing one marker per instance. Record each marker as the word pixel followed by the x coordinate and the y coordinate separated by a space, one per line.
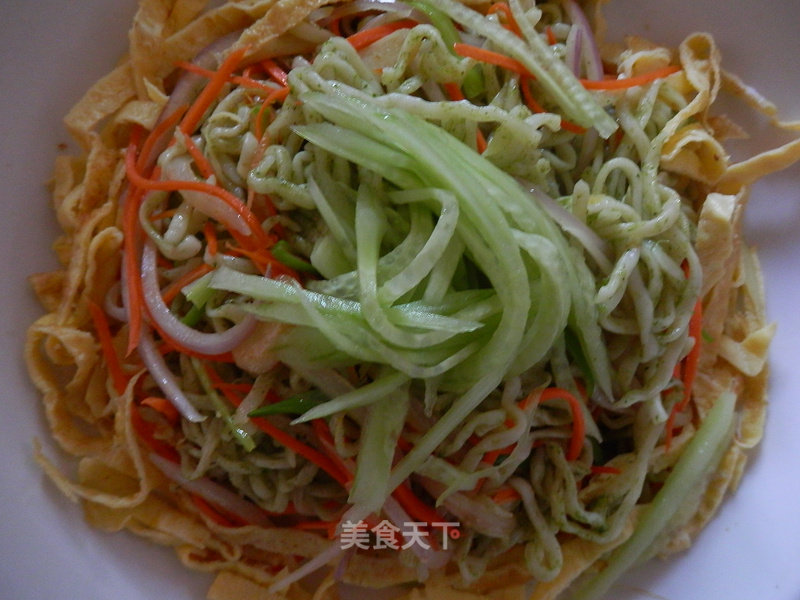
pixel 551 73
pixel 698 459
pixel 379 434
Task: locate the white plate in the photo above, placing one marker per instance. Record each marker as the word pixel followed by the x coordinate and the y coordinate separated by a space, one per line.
pixel 51 51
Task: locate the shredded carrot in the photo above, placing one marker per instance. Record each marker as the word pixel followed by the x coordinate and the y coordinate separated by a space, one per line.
pixel 142 182
pixel 146 432
pixel 163 407
pixel 598 469
pixel 628 82
pixel 578 423
pixel 492 58
pixel 531 103
pixel 214 514
pixel 366 37
pixel 689 372
pixel 510 23
pixel 415 506
pixel 329 447
pixel 692 359
pixel 173 289
pixel 203 165
pixel 211 238
pixel 505 494
pixel 453 91
pixel 245 388
pixel 404 444
pixel 265 262
pixel 527 96
pixel 101 327
pixel 240 80
pixel 335 27
pixel 280 436
pixel 273 70
pixel 491 457
pixel 163 214
pixel 572 127
pixel 131 233
pixel 551 37
pixel 211 91
pixel 307 452
pixel 480 141
pixel 157 133
pixel 278 95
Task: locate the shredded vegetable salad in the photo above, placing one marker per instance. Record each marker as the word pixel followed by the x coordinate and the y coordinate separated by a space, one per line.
pixel 427 293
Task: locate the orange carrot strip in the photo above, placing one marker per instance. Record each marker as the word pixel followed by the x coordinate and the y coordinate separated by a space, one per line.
pixel 628 82
pixel 505 494
pixel 280 436
pixel 510 23
pixel 240 80
pixel 101 327
pixel 164 214
pixel 307 452
pixel 415 506
pixel 131 233
pixel 211 91
pixel 366 37
pixel 551 37
pixel 279 75
pixel 329 446
pixel 578 423
pixel 203 165
pixel 155 135
pixel 265 261
pixel 491 457
pixel 689 371
pixel 597 469
pixel 164 407
pixel 278 95
pixel 454 92
pixel 146 432
pixel 174 288
pixel 234 202
pixel 692 359
pixel 211 238
pixel 214 514
pixel 530 102
pixel 492 58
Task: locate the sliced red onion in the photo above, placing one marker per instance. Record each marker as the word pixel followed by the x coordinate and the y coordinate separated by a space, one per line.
pixel 179 168
pixel 360 6
pixel 480 514
pixel 111 306
pixel 187 87
pixel 320 560
pixel 589 49
pixel 574 56
pixel 187 337
pixel 213 492
pixel 428 557
pixel 164 378
pixel 596 246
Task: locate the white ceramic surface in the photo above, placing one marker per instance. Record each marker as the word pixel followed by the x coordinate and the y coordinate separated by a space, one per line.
pixel 51 51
